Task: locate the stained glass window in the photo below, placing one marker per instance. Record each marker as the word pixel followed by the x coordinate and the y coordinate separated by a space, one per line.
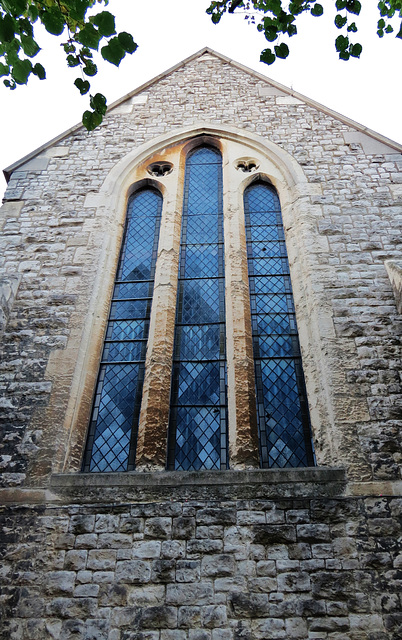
pixel 113 429
pixel 282 411
pixel 198 415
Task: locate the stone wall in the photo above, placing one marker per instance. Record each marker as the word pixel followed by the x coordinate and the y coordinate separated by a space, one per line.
pixel 53 237
pixel 241 555
pixel 218 568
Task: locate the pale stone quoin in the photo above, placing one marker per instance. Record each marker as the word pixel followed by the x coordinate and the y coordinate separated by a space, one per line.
pixel 241 552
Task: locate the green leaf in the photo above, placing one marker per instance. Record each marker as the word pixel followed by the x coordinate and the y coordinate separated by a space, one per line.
pixel 53 20
pixel 340 4
pixel 355 50
pixel 399 34
pixel 91 119
pixel 16 7
pixel 344 55
pixel 127 42
pixel 21 70
pixel 317 10
pixel 113 52
pixel 340 21
pixel 271 34
pixel 90 68
pixel 267 56
pixel 389 29
pixel 105 23
pixel 73 61
pixel 282 50
pixel 353 6
pixel 82 85
pixel 29 46
pixel 24 26
pixel 7 28
pixel 381 23
pixel 341 43
pixel 33 13
pixel 10 84
pixel 352 27
pixel 4 69
pixel 39 71
pixel 89 36
pixel 98 103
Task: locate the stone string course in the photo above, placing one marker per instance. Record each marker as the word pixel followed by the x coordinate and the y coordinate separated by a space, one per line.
pixel 235 570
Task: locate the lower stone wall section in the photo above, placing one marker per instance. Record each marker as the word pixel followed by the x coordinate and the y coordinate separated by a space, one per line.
pixel 327 568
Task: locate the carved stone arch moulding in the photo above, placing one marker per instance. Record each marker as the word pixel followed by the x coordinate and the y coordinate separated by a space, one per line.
pixel 273 165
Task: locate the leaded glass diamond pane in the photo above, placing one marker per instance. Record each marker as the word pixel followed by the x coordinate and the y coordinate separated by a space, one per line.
pixel 266 250
pixel 200 302
pixel 198 438
pixel 118 398
pixel 113 416
pixel 283 422
pixel 126 309
pixel 201 261
pixel 261 198
pixel 199 383
pixel 268 266
pixel 124 351
pixel 273 346
pixel 133 290
pixel 273 323
pixel 199 342
pixel 202 229
pixel 198 415
pixel 273 284
pixel 126 330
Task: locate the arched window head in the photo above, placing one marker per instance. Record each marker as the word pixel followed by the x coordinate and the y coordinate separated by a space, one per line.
pixel 113 429
pixel 198 414
pixel 283 421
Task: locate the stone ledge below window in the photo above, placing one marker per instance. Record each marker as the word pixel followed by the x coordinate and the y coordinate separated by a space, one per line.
pixel 197 485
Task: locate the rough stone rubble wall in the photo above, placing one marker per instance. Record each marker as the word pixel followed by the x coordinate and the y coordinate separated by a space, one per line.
pixel 238 570
pixel 53 242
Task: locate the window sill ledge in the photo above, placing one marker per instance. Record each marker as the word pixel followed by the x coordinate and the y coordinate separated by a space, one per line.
pixel 196 485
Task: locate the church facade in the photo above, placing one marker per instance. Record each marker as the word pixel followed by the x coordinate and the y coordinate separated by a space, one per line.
pixel 200 329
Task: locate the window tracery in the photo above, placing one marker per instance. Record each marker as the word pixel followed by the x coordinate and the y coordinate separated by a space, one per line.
pixel 199 429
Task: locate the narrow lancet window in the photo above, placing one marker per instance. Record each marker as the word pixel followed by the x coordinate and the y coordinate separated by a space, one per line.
pixel 198 403
pixel 284 429
pixel 113 429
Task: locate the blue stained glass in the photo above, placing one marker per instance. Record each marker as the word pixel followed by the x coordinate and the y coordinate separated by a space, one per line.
pixel 281 403
pixel 111 439
pixel 200 342
pixel 133 290
pixel 201 301
pixel 126 330
pixel 268 266
pixel 126 309
pixel 202 229
pixel 199 383
pixel 114 418
pixel 274 284
pixel 197 433
pixel 266 250
pixel 201 261
pixel 198 438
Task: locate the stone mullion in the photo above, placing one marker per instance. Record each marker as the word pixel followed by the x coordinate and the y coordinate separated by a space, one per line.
pixel 154 417
pixel 243 432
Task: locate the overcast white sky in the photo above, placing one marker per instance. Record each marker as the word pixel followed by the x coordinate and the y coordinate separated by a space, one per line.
pixel 366 90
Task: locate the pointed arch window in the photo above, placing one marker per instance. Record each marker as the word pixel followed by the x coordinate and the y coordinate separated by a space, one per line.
pixel 113 428
pixel 283 421
pixel 198 414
